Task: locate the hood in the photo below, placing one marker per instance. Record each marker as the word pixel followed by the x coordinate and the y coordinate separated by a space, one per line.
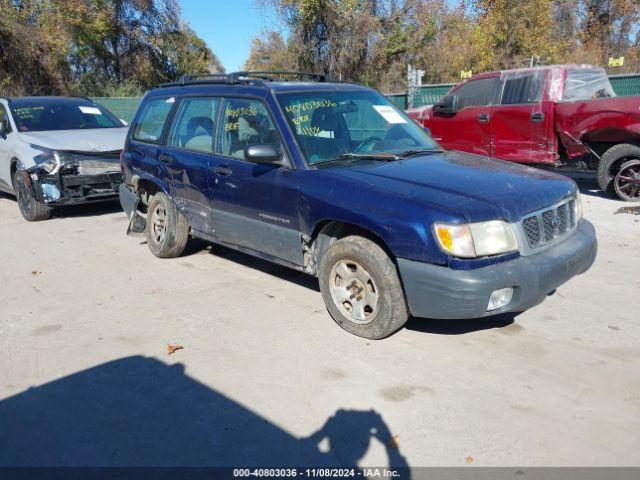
pixel 93 140
pixel 476 187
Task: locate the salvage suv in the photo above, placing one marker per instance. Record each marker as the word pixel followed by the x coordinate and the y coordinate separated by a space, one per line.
pixel 332 180
pixel 58 151
pixel 566 116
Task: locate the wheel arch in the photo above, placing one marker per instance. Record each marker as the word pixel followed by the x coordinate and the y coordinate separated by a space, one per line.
pixel 328 230
pixel 601 140
pixel 146 187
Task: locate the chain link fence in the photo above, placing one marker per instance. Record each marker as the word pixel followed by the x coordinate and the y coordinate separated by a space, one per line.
pixel 624 85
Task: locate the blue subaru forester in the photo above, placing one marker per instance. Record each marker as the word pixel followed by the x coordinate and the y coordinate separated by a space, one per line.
pixel 331 179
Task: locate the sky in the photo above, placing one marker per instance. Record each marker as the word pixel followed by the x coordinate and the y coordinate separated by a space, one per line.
pixel 227 26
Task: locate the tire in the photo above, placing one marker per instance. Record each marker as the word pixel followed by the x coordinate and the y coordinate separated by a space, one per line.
pixel 610 164
pixel 627 181
pixel 30 208
pixel 167 230
pixel 374 306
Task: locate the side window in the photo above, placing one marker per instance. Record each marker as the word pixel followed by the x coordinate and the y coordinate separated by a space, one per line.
pixel 4 119
pixel 150 122
pixel 245 123
pixel 478 92
pixel 194 125
pixel 522 89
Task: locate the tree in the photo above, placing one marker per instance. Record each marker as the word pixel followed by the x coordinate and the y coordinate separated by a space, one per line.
pixel 93 47
pixel 270 52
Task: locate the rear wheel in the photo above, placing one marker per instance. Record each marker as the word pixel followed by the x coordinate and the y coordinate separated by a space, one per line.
pixel 30 208
pixel 167 230
pixel 361 288
pixel 618 172
pixel 627 181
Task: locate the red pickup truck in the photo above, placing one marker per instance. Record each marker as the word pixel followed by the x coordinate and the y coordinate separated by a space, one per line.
pixel 567 116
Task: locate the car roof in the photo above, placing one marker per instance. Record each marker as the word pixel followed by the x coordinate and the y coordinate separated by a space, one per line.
pixel 48 99
pixel 566 66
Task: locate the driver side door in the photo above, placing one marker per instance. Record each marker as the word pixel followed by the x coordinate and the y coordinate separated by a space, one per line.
pixel 469 129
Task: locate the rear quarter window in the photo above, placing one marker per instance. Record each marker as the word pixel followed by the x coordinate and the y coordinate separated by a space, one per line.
pixel 149 124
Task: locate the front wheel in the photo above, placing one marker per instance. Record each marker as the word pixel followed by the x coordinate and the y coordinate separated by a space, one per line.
pixel 361 288
pixel 167 230
pixel 30 208
pixel 618 172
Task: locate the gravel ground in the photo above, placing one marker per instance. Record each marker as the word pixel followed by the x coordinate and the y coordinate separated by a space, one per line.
pixel 265 375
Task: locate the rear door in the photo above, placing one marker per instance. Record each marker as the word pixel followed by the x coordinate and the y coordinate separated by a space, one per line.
pixel 147 132
pixel 519 124
pixel 186 159
pixel 469 129
pixel 255 205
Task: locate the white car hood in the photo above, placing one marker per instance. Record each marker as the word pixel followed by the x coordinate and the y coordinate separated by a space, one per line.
pixel 93 140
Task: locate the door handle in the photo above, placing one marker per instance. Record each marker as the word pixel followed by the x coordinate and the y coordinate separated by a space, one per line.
pixel 537 117
pixel 165 158
pixel 223 171
pixel 483 118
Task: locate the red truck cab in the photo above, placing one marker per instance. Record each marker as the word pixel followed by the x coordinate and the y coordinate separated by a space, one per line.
pixel 567 116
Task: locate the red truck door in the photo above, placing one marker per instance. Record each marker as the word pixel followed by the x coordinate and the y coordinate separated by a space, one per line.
pixel 469 129
pixel 519 124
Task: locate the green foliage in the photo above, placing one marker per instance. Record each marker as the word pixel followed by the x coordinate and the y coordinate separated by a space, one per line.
pixel 97 47
pixel 372 41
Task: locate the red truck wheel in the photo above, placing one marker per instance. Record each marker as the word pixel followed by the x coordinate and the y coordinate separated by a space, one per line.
pixel 619 172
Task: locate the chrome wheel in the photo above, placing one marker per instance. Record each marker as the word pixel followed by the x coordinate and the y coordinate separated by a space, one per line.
pixel 159 223
pixel 354 291
pixel 627 181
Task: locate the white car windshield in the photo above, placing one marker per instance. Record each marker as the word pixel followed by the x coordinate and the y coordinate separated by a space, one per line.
pixel 39 115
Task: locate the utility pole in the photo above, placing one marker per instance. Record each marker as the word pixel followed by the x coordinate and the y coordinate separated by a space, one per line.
pixel 414 80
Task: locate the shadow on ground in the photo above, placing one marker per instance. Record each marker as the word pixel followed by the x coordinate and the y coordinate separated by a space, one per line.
pixel 81 210
pixel 196 246
pixel 138 411
pixel 459 327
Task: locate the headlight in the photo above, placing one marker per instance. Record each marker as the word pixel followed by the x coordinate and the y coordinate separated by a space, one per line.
pixel 476 239
pixel 577 206
pixel 49 160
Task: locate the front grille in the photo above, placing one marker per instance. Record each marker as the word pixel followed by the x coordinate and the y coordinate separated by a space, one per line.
pixel 97 167
pixel 549 224
pixel 92 163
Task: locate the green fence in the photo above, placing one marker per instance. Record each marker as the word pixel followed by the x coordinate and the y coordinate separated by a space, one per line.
pixel 122 107
pixel 623 85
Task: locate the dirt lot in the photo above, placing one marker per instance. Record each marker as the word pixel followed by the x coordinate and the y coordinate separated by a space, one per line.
pixel 265 376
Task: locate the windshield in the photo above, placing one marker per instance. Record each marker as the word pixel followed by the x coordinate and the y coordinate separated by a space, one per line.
pixel 331 125
pixel 34 115
pixel 587 83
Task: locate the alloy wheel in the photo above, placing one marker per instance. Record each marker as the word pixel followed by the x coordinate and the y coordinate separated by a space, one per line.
pixel 354 291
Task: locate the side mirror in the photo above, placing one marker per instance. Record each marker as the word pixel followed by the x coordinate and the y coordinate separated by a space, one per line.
pixel 4 129
pixel 448 105
pixel 265 153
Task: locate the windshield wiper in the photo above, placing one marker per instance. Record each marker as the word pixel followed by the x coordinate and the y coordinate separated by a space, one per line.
pixel 417 151
pixel 382 156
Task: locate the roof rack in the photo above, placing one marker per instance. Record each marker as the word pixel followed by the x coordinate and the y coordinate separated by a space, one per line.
pixel 247 77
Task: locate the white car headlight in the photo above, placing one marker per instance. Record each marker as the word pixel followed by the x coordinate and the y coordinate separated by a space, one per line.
pixel 49 160
pixel 476 239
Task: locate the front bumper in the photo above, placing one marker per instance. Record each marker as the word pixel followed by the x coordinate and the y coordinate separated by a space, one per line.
pixel 434 291
pixel 67 189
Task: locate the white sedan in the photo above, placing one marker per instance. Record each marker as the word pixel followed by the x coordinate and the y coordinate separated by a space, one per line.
pixel 58 151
